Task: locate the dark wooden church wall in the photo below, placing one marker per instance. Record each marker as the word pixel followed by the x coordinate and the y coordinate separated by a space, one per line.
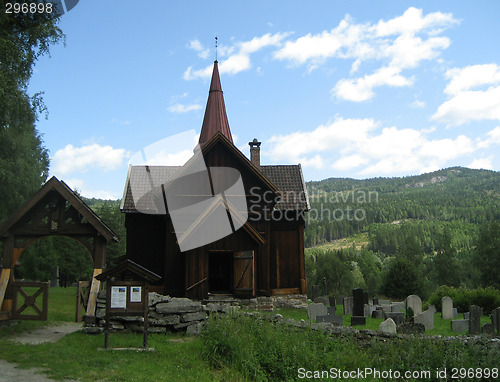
pixel 174 282
pixel 146 241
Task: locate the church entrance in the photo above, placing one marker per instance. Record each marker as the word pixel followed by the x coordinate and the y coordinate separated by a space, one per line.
pixel 220 272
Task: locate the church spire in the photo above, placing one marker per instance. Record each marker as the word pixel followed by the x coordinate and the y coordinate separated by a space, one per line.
pixel 215 119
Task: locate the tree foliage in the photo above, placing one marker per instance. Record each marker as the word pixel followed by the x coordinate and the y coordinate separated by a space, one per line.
pixel 488 254
pixel 24 162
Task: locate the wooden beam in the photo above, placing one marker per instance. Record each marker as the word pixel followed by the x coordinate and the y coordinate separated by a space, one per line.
pixel 4 281
pixel 94 289
pixel 284 291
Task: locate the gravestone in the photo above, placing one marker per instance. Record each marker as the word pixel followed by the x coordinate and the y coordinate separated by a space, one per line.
pixel 375 301
pixel 426 318
pixel 388 326
pixel 446 308
pixel 459 326
pixel 315 291
pixel 455 312
pixel 397 307
pixel 322 300
pixel 488 328
pixel 358 320
pixel 358 297
pixel 378 313
pixel 495 318
pixel 414 302
pixel 386 308
pixel 384 302
pixel 475 320
pixel 316 309
pixel 398 318
pixel 367 310
pixel 339 300
pixel 365 298
pixel 333 319
pixel 410 328
pixel 466 316
pixel 348 302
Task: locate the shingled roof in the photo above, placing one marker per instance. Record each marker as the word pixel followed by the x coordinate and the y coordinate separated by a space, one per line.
pixel 288 180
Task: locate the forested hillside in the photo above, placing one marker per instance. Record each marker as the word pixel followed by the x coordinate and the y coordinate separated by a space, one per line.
pixel 417 232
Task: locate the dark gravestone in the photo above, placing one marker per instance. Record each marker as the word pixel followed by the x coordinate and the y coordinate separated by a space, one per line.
pixel 336 320
pixel 397 317
pixel 358 320
pixel 488 329
pixel 315 292
pixel 358 298
pixel 495 319
pixel 411 328
pixel 475 319
pixel 331 310
pixel 375 301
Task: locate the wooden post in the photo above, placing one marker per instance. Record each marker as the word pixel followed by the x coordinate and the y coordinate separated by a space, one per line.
pixel 94 290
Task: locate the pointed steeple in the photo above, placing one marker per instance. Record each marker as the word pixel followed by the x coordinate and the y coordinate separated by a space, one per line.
pixel 215 119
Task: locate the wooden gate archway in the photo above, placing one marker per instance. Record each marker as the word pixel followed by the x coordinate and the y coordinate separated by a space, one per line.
pixel 55 209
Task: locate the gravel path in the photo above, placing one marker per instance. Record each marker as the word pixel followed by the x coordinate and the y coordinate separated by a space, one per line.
pixel 47 334
pixel 9 371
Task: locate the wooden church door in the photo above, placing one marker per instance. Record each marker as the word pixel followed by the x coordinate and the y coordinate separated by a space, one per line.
pixel 244 273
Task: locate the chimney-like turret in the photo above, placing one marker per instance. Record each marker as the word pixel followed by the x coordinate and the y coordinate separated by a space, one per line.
pixel 255 152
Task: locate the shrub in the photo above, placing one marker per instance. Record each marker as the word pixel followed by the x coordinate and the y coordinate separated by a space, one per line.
pixel 487 298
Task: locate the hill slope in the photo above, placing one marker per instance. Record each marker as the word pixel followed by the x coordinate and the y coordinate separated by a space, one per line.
pixel 457 196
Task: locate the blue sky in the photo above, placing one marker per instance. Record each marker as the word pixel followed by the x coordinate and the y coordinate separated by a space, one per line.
pixel 346 88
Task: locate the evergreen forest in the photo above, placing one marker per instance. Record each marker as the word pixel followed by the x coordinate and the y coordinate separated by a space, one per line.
pixel 398 236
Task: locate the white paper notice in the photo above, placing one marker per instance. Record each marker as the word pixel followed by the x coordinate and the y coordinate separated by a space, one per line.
pixel 119 297
pixel 135 294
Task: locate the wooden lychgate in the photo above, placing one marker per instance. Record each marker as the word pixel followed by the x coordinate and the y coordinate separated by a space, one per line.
pixel 55 209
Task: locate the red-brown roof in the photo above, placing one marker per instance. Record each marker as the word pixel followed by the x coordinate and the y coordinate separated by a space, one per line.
pixel 215 119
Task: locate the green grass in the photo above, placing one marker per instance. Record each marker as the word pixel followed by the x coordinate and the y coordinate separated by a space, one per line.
pixel 230 349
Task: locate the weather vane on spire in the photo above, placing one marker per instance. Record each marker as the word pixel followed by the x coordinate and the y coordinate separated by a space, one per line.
pixel 215 48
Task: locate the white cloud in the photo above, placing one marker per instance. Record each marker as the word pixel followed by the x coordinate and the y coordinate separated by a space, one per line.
pixel 361 89
pixel 73 159
pixel 198 47
pixel 417 104
pixel 237 57
pixel 399 43
pixel 412 22
pixel 471 76
pixel 80 186
pixel 492 139
pixel 475 95
pixel 180 108
pixel 482 163
pixel 361 146
pixel 470 105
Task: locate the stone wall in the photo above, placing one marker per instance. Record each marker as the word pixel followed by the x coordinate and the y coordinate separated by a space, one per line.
pixel 182 314
pixel 166 313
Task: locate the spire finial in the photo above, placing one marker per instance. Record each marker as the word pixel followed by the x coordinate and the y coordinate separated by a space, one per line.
pixel 216 48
